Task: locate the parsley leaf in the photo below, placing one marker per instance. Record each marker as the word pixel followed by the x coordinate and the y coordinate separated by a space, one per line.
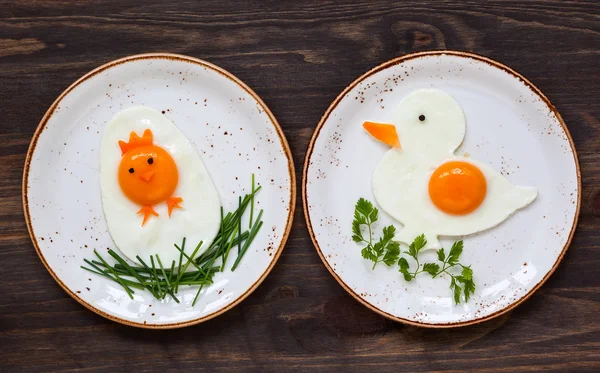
pixel 385 250
pixel 378 249
pixel 365 208
pixel 431 268
pixel 416 246
pixel 403 263
pixel 392 253
pixel 441 255
pixel 368 253
pixel 457 291
pixel 467 272
pixel 388 233
pixel 357 236
pixel 373 215
pixel 467 279
pixel 469 289
pixel 455 252
pixel 362 211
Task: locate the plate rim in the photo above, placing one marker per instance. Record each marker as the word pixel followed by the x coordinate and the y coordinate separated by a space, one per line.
pixel 396 61
pixel 175 57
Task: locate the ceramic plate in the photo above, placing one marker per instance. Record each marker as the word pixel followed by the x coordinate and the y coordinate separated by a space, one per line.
pixel 230 127
pixel 511 126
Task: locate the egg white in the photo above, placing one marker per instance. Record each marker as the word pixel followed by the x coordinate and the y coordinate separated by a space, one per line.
pixel 198 220
pixel 401 179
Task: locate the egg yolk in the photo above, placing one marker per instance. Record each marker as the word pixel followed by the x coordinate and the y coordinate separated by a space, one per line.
pixel 457 187
pixel 148 175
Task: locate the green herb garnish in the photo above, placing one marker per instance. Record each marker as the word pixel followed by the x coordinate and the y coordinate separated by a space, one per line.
pixel 161 281
pixel 465 278
pixel 413 250
pixel 385 250
pixel 388 251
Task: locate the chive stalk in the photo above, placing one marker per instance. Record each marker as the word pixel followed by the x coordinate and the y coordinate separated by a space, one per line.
pixel 119 280
pixel 251 204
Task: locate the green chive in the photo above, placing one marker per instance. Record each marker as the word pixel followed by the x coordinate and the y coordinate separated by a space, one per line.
pixel 127 267
pixel 129 283
pixel 119 280
pixel 226 254
pixel 251 204
pixel 162 269
pixel 172 269
pixel 205 278
pixel 154 282
pixel 179 267
pixel 192 262
pixel 253 232
pixel 160 293
pixel 239 225
pixel 187 264
pixel 168 287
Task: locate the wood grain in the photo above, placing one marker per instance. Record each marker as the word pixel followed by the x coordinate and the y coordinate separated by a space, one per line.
pixel 298 55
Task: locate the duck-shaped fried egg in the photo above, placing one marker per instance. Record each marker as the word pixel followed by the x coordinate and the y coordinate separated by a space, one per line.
pixel 421 182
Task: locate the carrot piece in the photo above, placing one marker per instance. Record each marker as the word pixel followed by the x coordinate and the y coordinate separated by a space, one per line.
pixel 386 133
pixel 173 202
pixel 147 211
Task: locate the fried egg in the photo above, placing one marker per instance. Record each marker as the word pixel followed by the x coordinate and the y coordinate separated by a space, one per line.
pixel 421 182
pixel 155 188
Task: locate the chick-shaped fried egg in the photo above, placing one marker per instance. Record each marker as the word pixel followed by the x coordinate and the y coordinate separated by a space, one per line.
pixel 155 188
pixel 421 182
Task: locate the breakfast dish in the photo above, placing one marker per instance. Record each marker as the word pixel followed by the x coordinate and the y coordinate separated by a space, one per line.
pixel 464 195
pixel 454 195
pixel 154 187
pixel 146 186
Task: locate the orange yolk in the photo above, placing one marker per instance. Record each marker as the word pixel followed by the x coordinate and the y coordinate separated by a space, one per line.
pixel 148 175
pixel 457 187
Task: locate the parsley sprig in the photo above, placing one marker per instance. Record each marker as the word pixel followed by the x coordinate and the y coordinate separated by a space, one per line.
pixel 385 250
pixel 460 284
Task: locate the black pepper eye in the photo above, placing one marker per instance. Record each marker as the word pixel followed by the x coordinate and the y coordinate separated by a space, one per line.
pixel 422 118
pixel 150 160
pixel 131 170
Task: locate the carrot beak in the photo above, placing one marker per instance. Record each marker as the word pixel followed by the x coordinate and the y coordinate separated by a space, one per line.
pixel 386 133
pixel 147 176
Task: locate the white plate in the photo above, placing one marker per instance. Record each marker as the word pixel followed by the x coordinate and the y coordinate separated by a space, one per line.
pixel 228 124
pixel 511 126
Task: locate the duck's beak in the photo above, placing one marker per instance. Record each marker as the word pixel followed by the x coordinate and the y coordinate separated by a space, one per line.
pixel 386 133
pixel 147 176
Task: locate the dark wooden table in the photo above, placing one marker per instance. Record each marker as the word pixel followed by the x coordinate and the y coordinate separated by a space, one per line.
pixel 297 55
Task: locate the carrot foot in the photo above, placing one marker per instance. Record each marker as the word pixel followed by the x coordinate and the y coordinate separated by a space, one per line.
pixel 173 202
pixel 147 210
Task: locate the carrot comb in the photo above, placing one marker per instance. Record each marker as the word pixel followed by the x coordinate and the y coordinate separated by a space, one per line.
pixel 135 141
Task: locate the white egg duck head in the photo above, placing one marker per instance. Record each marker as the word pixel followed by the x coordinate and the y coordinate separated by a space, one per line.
pixel 427 119
pixel 423 185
